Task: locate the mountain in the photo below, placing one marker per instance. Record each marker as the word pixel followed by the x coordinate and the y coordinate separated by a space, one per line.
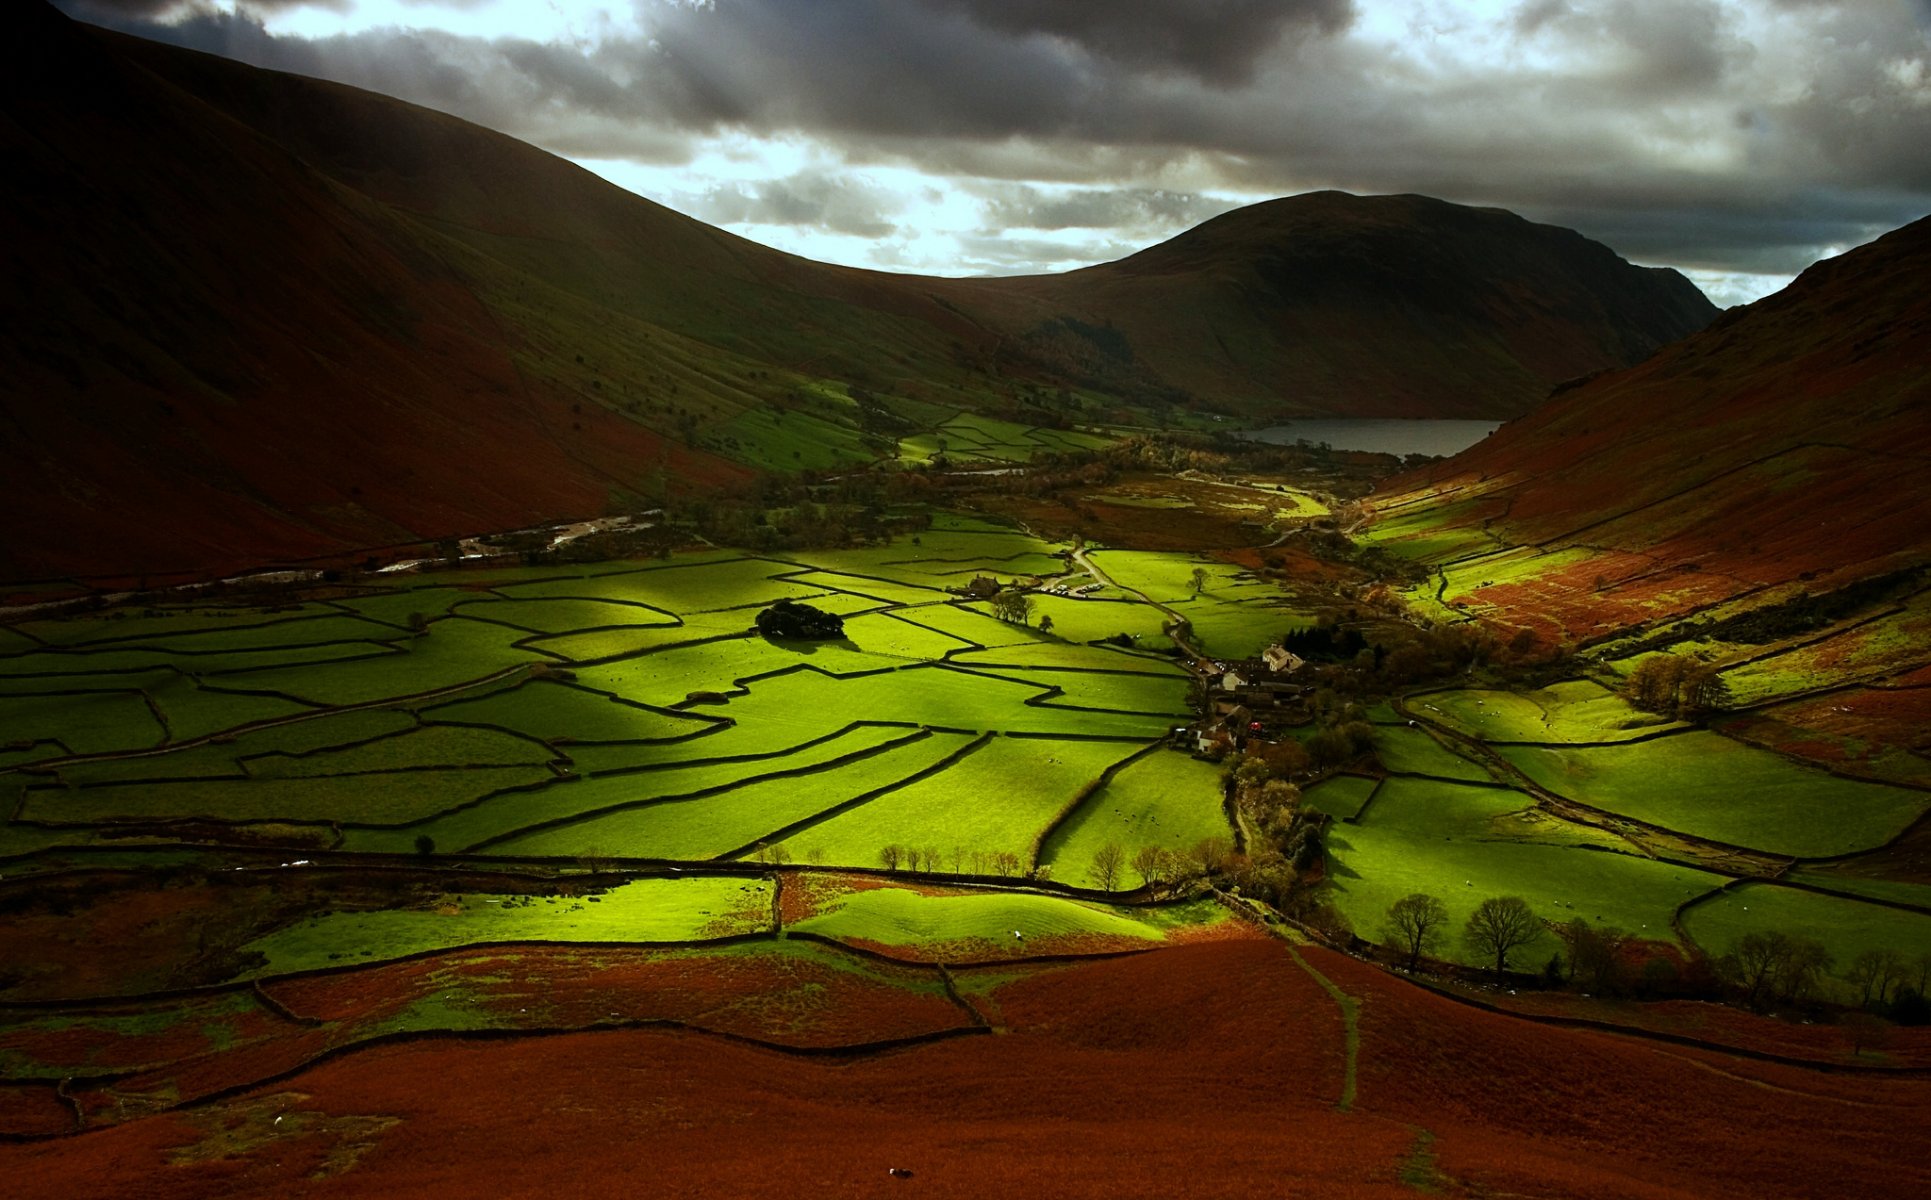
pixel 1387 306
pixel 1751 496
pixel 1778 445
pixel 255 317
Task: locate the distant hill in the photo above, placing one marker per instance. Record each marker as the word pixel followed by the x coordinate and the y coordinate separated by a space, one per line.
pixel 1387 306
pixel 254 316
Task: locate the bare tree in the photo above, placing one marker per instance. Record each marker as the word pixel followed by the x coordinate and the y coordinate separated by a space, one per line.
pixel 1752 966
pixel 890 856
pixel 1212 854
pixel 1416 924
pixel 1108 861
pixel 1499 926
pixel 1776 965
pixel 1874 973
pixel 1199 580
pixel 1802 969
pixel 1155 866
pixel 1595 954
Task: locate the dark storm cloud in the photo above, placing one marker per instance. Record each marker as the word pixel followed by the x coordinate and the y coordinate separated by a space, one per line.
pixel 155 9
pixel 831 201
pixel 1017 206
pixel 1217 41
pixel 1677 130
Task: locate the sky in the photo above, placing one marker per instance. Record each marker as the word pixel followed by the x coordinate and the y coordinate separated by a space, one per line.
pixel 1736 140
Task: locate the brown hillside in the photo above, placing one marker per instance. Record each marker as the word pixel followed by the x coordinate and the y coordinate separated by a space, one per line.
pixel 1782 445
pixel 256 317
pixel 1209 1071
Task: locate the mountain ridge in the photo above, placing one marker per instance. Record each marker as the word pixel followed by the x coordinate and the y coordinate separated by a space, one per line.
pixel 281 318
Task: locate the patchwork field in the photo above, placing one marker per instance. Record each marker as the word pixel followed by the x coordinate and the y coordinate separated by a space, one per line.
pixel 625 711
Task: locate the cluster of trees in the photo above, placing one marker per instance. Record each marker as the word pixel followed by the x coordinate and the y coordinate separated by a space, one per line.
pixel 1764 970
pixel 959 861
pixel 1013 606
pixel 1775 967
pixel 1161 870
pixel 1676 686
pixel 1500 926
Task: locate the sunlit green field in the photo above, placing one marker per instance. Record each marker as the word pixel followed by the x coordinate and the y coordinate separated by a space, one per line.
pixel 618 711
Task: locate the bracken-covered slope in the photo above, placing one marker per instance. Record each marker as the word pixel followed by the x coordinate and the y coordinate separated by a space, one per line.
pixel 252 316
pixel 1784 442
pixel 1752 496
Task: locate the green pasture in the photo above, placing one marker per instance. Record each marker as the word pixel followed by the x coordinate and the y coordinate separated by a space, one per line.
pixel 1897 891
pixel 646 910
pixel 1406 751
pixel 85 723
pixel 797 704
pixel 1708 786
pixel 971 625
pixel 1090 620
pixel 126 624
pixel 712 826
pixel 1123 690
pixel 195 709
pixel 888 590
pixel 1465 844
pixel 1224 629
pixel 555 616
pixel 1845 926
pixel 306 629
pixel 1166 577
pixel 429 601
pixel 893 916
pixel 1051 655
pixel 666 677
pixel 998 798
pixel 1429 532
pixel 246 753
pixel 82 667
pixel 780 440
pixel 679 587
pixel 708 765
pixel 1340 796
pixel 453 652
pixel 1165 799
pixel 900 637
pixel 564 713
pixel 596 645
pixel 1575 711
pixel 393 799
pixel 426 748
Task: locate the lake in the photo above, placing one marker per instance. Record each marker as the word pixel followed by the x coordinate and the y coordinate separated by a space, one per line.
pixel 1388 436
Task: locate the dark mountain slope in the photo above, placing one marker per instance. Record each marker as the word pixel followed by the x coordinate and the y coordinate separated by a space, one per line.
pixel 258 317
pixel 1784 442
pixel 1404 305
pixel 216 355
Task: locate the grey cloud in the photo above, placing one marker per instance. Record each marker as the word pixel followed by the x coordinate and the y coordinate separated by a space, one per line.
pixel 1217 41
pixel 1017 206
pixel 825 200
pixel 149 10
pixel 1027 90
